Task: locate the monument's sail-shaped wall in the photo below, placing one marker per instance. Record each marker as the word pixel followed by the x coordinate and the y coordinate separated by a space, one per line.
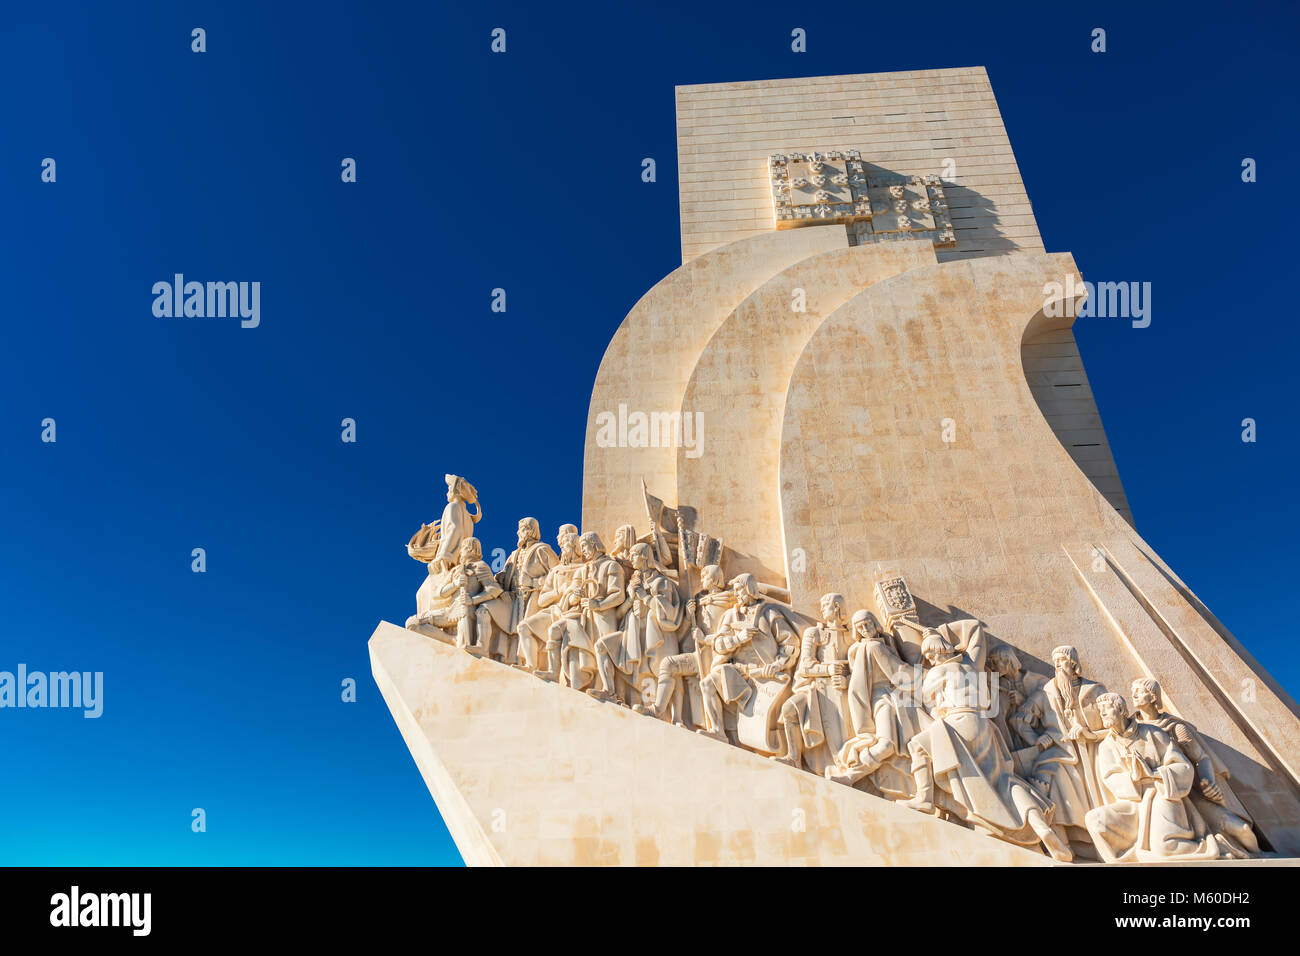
pixel 942 123
pixel 836 412
pixel 886 391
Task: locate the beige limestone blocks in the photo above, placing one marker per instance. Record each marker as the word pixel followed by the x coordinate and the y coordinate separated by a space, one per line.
pixel 922 123
pixel 999 523
pixel 871 415
pixel 739 385
pixel 648 363
pixel 528 773
pixel 912 436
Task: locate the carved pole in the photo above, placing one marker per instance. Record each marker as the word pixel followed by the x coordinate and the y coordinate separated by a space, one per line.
pixel 662 553
pixel 684 568
pixel 697 633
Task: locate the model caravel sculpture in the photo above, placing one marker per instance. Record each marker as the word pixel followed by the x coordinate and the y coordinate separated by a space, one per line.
pixel 937 716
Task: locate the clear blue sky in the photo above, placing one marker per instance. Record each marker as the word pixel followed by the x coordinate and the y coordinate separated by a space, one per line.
pixel 522 171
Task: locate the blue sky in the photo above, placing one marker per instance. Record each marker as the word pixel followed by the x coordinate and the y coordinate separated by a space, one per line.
pixel 222 689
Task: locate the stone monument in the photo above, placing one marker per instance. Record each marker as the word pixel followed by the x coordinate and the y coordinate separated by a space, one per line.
pixel 889 602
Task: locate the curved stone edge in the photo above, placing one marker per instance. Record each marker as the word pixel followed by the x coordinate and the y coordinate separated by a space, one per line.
pixel 1126 622
pixel 738 387
pixel 1050 359
pixel 650 357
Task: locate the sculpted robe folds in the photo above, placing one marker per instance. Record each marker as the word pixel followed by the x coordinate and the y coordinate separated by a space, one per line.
pixel 968 756
pixel 523 576
pixel 885 714
pixel 652 635
pixel 601 581
pixel 680 683
pixel 823 711
pixel 550 598
pixel 762 633
pixel 542 627
pixel 1145 779
pixel 1229 819
pixel 875 707
pixel 1069 766
pixel 764 637
pixel 455 526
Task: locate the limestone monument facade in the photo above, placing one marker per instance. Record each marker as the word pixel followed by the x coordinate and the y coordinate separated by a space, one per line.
pixel 872 592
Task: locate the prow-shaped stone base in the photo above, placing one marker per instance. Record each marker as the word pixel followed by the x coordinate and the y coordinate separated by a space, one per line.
pixel 527 772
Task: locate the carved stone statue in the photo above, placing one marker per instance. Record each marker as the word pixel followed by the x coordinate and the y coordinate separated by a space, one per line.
pixel 457 522
pixel 1145 780
pixel 963 753
pixel 705 611
pixel 1212 797
pixel 1008 676
pixel 437 545
pixel 816 717
pixel 653 615
pixel 882 708
pixel 624 538
pixel 1064 724
pixel 521 578
pixel 599 591
pixel 678 675
pixel 712 601
pixel 965 733
pixel 754 651
pixel 571 632
pixel 476 608
pixel 542 628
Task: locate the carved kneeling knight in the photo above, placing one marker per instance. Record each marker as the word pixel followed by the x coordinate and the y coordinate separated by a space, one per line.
pixel 478 609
